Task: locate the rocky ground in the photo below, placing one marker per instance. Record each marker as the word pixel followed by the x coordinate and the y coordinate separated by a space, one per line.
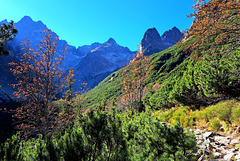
pixel 213 146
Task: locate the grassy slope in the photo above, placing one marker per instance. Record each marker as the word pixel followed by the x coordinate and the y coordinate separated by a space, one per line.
pixel 225 114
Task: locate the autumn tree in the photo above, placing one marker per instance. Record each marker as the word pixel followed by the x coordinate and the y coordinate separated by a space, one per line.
pixel 216 27
pixel 67 114
pixel 39 76
pixel 7 32
pixel 69 93
pixel 134 75
pixel 214 44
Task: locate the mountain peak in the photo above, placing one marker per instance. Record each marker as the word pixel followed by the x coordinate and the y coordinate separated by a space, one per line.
pixel 4 21
pixel 175 28
pixel 26 19
pixel 111 41
pixel 172 36
pixel 152 33
pixel 151 42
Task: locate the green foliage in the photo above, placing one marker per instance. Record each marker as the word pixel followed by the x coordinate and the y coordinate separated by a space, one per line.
pixel 10 150
pixel 148 139
pixel 182 115
pixel 214 124
pixel 107 136
pixel 163 63
pixel 183 80
pixel 7 32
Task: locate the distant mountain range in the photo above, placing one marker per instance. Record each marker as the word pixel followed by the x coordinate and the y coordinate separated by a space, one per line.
pixel 91 63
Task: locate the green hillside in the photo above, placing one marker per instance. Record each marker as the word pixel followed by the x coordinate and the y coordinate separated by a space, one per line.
pixel 163 63
pixel 183 80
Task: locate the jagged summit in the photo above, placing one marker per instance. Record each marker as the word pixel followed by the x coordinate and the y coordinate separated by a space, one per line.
pixel 172 36
pixel 111 41
pixel 152 35
pixel 101 61
pixel 152 42
pixel 4 21
pixel 175 28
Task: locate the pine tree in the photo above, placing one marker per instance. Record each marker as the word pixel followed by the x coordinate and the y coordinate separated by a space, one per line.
pixel 7 32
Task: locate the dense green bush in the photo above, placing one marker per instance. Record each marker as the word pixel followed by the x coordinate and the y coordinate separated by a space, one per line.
pixel 104 135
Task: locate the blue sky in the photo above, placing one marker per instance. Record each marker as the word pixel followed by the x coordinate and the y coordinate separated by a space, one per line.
pixel 82 22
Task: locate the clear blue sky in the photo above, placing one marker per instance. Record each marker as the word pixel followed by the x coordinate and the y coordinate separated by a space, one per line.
pixel 82 22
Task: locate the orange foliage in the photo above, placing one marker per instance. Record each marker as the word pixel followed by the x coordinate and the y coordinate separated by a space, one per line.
pixel 156 87
pixel 216 23
pixel 134 75
pixel 39 81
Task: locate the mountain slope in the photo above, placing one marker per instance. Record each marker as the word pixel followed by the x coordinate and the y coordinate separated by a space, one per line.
pixel 183 80
pixel 163 62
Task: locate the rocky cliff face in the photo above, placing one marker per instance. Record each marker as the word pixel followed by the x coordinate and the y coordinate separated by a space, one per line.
pixel 152 42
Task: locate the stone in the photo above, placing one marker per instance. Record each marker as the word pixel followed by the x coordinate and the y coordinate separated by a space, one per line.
pixel 238 130
pixel 229 156
pixel 222 128
pixel 217 155
pixel 209 147
pixel 197 132
pixel 207 135
pixel 237 157
pixel 222 140
pixel 235 141
pixel 199 142
pixel 235 150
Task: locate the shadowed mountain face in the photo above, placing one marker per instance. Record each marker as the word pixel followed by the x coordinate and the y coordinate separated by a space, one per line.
pixel 152 42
